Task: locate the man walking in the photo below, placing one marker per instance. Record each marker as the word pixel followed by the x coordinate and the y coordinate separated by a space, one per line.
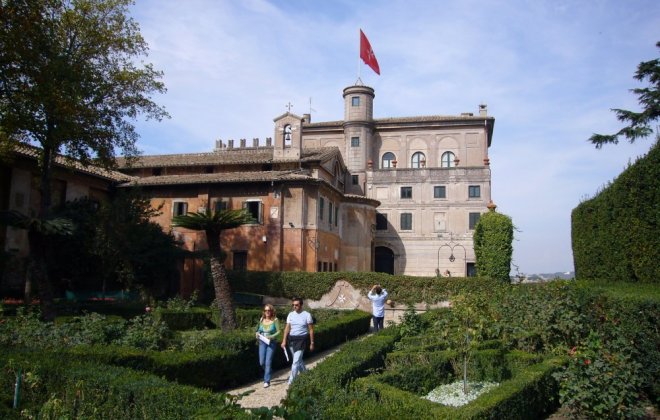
pixel 298 332
pixel 377 296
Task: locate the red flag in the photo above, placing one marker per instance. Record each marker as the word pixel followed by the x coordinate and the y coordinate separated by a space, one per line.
pixel 367 54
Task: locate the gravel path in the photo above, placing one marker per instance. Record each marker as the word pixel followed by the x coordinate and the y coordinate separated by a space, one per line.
pixel 271 396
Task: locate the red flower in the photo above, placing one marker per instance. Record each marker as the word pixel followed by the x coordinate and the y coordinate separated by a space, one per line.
pixel 587 362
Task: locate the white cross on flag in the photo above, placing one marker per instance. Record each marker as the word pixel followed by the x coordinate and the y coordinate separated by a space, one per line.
pixel 367 54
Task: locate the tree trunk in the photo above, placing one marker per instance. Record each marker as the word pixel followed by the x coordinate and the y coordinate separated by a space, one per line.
pixel 37 241
pixel 223 294
pixel 40 274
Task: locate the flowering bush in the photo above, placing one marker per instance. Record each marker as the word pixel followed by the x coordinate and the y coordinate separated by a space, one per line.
pixel 601 380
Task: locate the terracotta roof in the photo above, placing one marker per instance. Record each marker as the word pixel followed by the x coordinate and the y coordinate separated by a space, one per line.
pixel 234 156
pixel 220 178
pixel 69 163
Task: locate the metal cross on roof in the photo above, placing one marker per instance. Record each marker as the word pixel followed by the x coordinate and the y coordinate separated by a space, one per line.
pixel 289 106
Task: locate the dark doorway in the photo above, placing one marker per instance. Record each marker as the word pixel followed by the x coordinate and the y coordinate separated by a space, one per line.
pixel 471 270
pixel 384 260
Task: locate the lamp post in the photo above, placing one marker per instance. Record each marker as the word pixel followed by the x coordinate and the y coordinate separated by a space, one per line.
pixel 452 245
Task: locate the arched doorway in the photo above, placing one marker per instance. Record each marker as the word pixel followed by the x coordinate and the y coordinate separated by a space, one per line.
pixel 384 260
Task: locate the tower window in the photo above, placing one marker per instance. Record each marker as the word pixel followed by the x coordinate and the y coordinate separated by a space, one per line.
pixel 474 219
pixel 287 135
pixel 355 142
pixel 447 160
pixel 474 191
pixel 418 160
pixel 439 191
pixel 388 158
pixel 406 221
pixel 355 101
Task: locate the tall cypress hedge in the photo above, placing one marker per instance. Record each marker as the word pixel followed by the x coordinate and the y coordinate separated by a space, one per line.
pixel 616 235
pixel 493 245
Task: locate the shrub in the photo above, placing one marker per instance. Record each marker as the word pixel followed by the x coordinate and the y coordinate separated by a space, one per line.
pixel 602 380
pixel 493 245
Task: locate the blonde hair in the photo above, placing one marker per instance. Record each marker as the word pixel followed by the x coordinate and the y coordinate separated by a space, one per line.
pixel 273 313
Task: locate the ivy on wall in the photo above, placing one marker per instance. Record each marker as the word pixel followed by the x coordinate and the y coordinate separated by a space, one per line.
pixel 493 245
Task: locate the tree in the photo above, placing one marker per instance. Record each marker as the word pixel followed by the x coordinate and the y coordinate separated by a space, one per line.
pixel 213 225
pixel 70 83
pixel 493 238
pixel 639 123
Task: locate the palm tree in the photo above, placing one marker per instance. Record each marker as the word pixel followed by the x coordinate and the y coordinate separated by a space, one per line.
pixel 213 225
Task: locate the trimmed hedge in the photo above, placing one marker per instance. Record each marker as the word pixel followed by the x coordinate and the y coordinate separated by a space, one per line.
pixel 226 360
pixel 493 245
pixel 403 289
pixel 531 394
pixel 616 234
pixel 57 386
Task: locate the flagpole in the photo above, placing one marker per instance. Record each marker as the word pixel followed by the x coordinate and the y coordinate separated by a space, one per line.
pixel 359 67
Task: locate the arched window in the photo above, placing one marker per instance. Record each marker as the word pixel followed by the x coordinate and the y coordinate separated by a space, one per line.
pixel 287 135
pixel 418 160
pixel 387 160
pixel 447 160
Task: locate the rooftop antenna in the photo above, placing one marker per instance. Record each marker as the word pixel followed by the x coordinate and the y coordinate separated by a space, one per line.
pixel 310 106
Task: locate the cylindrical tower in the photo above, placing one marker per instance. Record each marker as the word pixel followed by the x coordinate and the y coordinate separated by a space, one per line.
pixel 358 130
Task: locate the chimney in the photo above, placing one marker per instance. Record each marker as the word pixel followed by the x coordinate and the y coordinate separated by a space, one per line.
pixel 483 110
pixel 307 118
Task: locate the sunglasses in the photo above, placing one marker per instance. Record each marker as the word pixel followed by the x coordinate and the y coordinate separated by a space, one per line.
pixel 268 310
pixel 295 304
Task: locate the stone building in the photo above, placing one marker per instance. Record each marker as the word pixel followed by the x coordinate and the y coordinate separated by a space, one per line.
pixel 397 195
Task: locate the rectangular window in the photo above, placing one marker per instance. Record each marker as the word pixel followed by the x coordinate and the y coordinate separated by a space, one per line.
pixel 179 208
pixel 406 192
pixel 336 215
pixel 474 218
pixel 330 213
pixel 474 191
pixel 321 208
pixel 381 221
pixel 439 191
pixel 406 221
pixel 355 142
pixel 318 266
pixel 325 266
pixel 355 101
pixel 256 209
pixel 355 179
pixel 221 205
pixel 239 262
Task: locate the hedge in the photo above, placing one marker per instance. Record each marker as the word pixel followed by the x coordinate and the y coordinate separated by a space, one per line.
pixel 616 234
pixel 226 359
pixel 403 289
pixel 57 386
pixel 531 394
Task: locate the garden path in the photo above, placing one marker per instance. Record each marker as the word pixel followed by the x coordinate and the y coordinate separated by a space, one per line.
pixel 273 395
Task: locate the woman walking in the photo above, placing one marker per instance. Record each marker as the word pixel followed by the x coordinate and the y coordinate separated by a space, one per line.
pixel 267 332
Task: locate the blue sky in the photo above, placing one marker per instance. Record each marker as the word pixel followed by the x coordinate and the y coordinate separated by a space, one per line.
pixel 549 72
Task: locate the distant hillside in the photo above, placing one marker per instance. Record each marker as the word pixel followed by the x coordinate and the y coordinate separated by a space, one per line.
pixel 547 276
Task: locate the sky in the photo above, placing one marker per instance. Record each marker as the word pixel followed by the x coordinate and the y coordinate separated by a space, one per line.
pixel 549 72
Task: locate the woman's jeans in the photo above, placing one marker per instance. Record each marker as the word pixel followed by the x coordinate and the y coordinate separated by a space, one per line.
pixel 266 352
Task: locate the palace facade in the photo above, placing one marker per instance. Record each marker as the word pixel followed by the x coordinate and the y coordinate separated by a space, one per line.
pixel 396 195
